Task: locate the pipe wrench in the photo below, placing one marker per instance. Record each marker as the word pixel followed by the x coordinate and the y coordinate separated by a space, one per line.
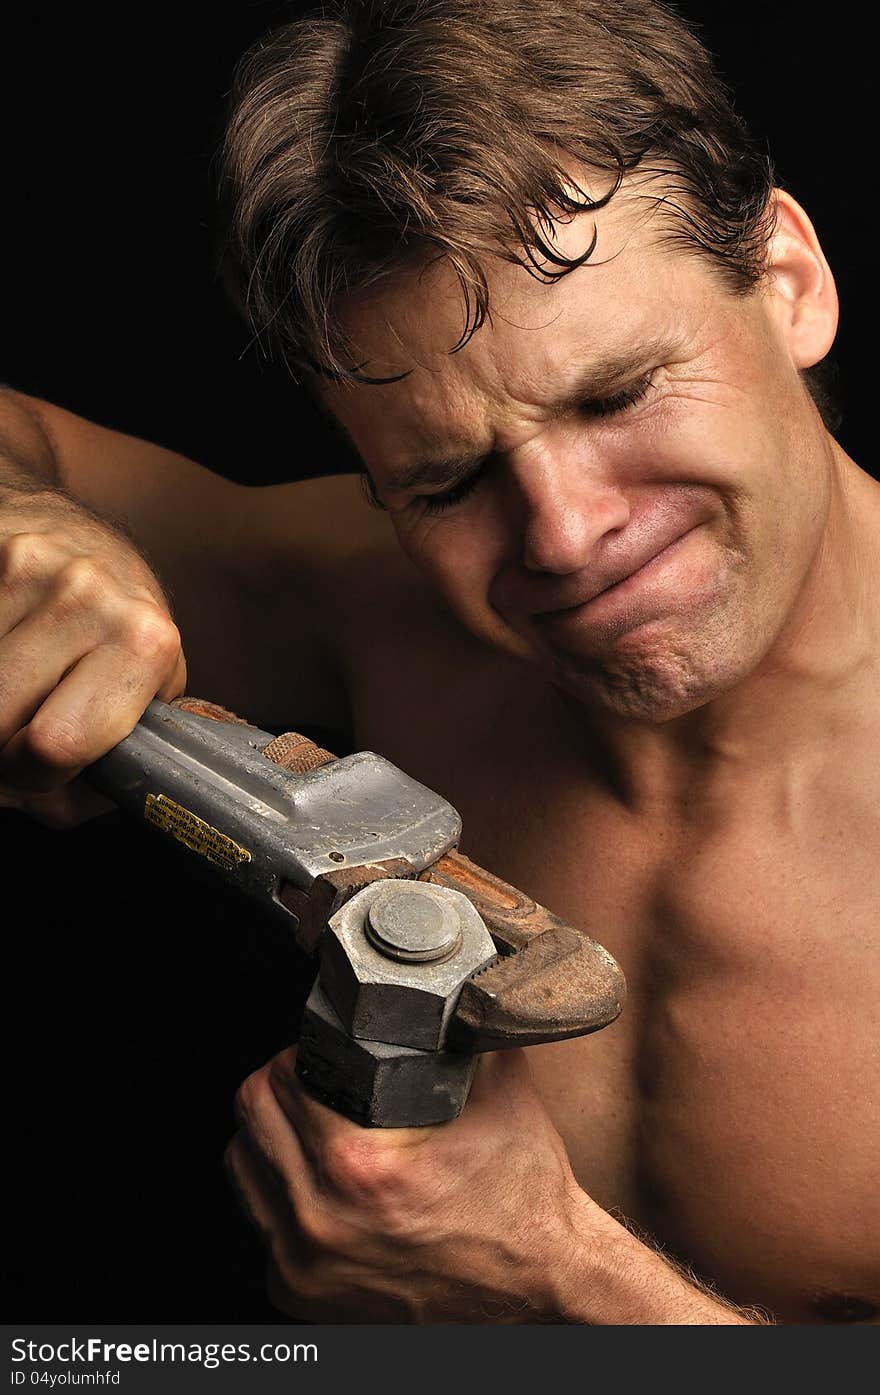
pixel 423 959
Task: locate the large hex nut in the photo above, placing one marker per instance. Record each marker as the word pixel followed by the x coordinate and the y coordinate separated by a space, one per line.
pixel 377 1085
pixel 409 1002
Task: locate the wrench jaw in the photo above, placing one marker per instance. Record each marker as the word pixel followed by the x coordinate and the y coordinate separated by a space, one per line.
pixel 559 985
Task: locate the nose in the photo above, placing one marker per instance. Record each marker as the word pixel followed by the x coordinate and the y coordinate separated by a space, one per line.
pixel 568 507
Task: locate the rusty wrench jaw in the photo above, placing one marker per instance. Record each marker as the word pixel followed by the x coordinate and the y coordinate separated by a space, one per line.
pixel 560 985
pixel 550 981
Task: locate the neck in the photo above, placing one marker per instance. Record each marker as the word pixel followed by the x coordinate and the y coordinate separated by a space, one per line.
pixel 816 677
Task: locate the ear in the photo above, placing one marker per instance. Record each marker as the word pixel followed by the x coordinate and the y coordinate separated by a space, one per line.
pixel 803 294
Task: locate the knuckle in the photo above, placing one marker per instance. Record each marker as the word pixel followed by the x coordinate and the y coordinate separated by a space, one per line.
pixel 231 1160
pixel 281 1073
pixel 247 1098
pixel 321 1232
pixel 80 584
pixel 56 741
pixel 22 556
pixel 356 1167
pixel 151 633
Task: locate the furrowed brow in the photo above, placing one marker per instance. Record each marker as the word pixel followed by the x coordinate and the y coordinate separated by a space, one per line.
pixel 599 380
pixel 441 469
pixel 591 384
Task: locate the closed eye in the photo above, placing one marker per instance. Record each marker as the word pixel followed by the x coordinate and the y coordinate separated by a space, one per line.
pixel 612 405
pixel 619 401
pixel 436 503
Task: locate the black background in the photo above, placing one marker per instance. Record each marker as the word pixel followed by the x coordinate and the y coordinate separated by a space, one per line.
pixel 138 996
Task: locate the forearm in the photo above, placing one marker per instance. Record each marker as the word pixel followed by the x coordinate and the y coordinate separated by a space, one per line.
pixel 33 490
pixel 609 1277
pixel 34 496
pixel 27 459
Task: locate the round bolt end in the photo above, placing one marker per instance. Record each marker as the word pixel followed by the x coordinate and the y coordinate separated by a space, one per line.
pixel 414 923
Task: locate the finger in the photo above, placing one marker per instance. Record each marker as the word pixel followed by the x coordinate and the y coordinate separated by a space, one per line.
pixel 325 1135
pixel 91 710
pixel 271 1134
pixel 35 656
pixel 502 1082
pixel 259 1195
pixel 307 1114
pixel 37 653
pixel 175 685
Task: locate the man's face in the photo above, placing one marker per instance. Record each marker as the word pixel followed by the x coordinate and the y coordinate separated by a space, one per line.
pixel 618 479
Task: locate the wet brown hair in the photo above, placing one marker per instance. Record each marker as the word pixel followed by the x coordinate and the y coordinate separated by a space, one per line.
pixel 374 134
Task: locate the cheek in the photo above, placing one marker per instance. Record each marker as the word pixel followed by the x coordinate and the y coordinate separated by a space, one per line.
pixel 458 551
pixel 697 440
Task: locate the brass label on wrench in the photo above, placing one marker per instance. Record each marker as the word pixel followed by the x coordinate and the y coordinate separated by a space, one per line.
pixel 193 832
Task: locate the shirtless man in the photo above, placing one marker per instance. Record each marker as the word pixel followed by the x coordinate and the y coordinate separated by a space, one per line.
pixel 619 611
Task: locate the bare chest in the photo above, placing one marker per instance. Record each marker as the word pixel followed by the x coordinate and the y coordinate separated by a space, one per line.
pixel 756 1071
pixel 733 1111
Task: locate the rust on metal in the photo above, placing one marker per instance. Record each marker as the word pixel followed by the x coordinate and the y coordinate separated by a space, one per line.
pixel 330 892
pixel 561 984
pixel 199 707
pixel 290 750
pixel 512 916
pixel 551 979
pixel 296 753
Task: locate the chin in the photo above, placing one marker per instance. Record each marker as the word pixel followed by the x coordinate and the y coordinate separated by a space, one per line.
pixel 652 684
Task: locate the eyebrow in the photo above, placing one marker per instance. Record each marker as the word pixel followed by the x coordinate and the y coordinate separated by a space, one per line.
pixel 590 385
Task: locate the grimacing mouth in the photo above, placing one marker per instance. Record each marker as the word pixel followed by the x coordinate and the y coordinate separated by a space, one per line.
pixel 620 577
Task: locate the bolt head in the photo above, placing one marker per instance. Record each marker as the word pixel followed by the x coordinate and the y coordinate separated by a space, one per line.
pixel 401 999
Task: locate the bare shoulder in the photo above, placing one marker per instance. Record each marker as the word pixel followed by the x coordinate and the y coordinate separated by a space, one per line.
pixel 325 532
pixel 326 521
pixel 408 668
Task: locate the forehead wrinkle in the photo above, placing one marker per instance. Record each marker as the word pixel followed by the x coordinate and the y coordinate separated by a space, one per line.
pixel 591 382
pixel 456 451
pixel 583 384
